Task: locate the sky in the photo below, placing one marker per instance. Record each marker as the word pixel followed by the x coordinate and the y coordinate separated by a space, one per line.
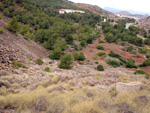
pixel 136 5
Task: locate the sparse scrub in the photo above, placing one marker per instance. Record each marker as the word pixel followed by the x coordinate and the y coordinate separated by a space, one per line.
pixel 39 61
pixel 4 73
pixel 5 77
pixel 102 55
pixel 15 85
pixel 47 69
pixel 18 64
pixel 114 55
pixel 54 79
pixel 3 91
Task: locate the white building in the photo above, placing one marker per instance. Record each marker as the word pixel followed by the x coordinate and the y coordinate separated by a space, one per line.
pixel 62 11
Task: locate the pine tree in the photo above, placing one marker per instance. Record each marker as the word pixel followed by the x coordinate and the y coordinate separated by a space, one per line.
pixel 13 25
pixel 66 61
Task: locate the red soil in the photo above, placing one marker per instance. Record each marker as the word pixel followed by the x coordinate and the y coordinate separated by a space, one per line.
pixel 139 58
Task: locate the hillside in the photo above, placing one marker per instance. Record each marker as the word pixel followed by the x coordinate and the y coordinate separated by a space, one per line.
pixel 145 20
pixel 98 10
pixel 16 48
pixel 71 62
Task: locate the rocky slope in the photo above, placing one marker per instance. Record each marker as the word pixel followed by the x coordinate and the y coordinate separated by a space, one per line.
pixel 16 48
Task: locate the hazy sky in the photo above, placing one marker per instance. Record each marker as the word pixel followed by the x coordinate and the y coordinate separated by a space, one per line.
pixel 136 5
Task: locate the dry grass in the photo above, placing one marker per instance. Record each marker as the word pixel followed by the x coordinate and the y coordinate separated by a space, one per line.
pixel 61 99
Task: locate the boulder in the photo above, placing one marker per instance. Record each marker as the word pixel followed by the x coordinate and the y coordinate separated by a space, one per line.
pixel 131 86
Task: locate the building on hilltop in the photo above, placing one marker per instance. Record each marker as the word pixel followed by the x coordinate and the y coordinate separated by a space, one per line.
pixel 62 11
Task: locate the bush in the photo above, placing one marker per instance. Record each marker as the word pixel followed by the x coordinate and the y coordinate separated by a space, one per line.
pixel 145 63
pixel 47 69
pixel 1 30
pixel 56 53
pixel 114 55
pixel 101 41
pixel 18 64
pixel 142 73
pixel 69 39
pixel 100 47
pixel 131 49
pixel 89 40
pixel 130 64
pixel 66 61
pixel 102 54
pixel 76 55
pixel 142 50
pixel 83 43
pixel 81 57
pixel 100 68
pixel 113 63
pixel 39 61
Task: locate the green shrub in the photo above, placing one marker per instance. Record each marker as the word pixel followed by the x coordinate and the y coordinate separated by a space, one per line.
pixel 89 40
pixel 113 63
pixel 76 56
pixel 66 61
pixel 142 73
pixel 145 63
pixel 13 25
pixel 130 64
pixel 47 69
pixel 142 50
pixel 1 30
pixel 39 61
pixel 131 49
pixel 56 53
pixel 100 68
pixel 18 64
pixel 100 47
pixel 114 55
pixel 102 54
pixel 101 41
pixel 81 62
pixel 0 16
pixel 91 50
pixel 81 57
pixel 83 43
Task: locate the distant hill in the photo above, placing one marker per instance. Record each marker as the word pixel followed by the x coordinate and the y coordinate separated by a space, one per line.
pixel 115 10
pixel 97 10
pixel 124 13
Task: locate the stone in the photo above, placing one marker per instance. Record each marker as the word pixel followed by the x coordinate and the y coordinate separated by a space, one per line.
pixel 131 86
